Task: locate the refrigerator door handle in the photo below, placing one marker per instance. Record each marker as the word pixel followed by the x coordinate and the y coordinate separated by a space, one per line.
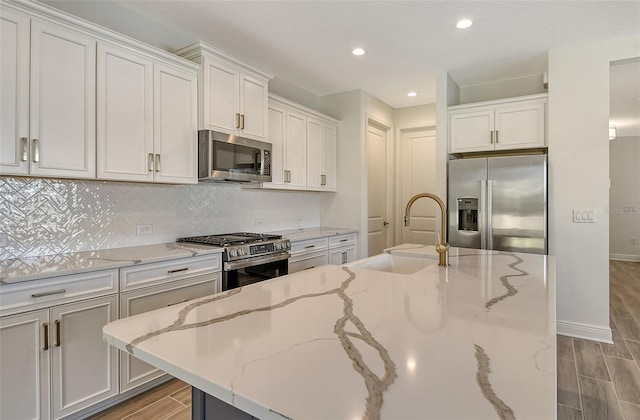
pixel 482 219
pixel 489 229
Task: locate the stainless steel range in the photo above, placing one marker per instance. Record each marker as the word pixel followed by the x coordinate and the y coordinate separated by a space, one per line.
pixel 248 257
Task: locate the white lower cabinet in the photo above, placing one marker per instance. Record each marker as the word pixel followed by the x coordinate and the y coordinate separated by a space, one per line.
pixel 335 250
pixel 59 347
pixel 133 372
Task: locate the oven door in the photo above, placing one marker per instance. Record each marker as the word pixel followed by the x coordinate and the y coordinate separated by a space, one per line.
pixel 253 270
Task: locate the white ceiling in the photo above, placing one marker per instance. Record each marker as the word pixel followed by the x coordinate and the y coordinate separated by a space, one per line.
pixel 309 43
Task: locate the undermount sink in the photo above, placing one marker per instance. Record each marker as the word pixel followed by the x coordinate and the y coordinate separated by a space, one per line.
pixel 393 263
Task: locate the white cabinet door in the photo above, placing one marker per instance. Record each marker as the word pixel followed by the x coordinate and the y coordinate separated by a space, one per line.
pixel 124 115
pixel 175 133
pixel 14 93
pixel 134 372
pixel 62 102
pixel 84 367
pixel 329 173
pixel 277 137
pixel 24 365
pixel 342 255
pixel 296 151
pixel 520 126
pixel 220 102
pixel 253 106
pixel 315 154
pixel 471 131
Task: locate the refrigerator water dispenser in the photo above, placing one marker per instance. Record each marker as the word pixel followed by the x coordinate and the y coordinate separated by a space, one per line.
pixel 468 214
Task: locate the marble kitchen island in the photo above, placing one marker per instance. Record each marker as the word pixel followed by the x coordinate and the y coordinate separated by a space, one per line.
pixel 475 340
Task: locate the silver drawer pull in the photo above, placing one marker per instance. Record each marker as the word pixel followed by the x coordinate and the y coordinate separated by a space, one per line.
pixel 309 246
pixel 344 240
pixel 171 304
pixel 177 270
pixel 25 149
pixel 309 268
pixel 53 292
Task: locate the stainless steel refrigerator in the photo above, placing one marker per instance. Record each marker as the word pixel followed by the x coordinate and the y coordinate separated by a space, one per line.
pixel 498 203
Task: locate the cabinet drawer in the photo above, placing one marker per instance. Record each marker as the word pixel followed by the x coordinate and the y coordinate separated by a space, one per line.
pixel 310 245
pixel 307 261
pixel 157 273
pixel 29 295
pixel 339 240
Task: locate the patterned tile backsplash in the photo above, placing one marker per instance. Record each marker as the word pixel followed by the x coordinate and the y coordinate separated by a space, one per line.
pixel 53 216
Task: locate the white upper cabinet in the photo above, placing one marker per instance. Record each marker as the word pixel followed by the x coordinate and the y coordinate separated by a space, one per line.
pixel 321 155
pixel 517 123
pixel 125 114
pixel 232 97
pixel 175 96
pixel 304 147
pixel 14 93
pixel 58 66
pixel 146 118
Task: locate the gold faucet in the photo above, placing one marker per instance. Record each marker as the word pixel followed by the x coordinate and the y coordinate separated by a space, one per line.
pixel 442 247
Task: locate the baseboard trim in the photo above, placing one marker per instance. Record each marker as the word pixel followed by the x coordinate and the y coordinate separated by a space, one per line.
pixel 625 257
pixel 588 332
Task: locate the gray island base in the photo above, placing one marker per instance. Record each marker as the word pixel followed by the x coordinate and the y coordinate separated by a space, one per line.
pixel 391 336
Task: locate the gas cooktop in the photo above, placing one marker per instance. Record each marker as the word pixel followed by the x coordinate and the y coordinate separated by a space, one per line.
pixel 227 239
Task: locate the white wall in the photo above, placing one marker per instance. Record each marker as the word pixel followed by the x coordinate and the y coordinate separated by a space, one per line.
pixel 624 198
pixel 348 207
pixel 579 179
pixel 521 86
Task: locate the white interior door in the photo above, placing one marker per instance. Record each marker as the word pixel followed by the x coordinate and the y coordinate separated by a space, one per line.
pixel 418 175
pixel 377 189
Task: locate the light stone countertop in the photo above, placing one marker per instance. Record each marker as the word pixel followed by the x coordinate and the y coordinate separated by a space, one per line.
pixel 34 268
pixel 475 340
pixel 312 233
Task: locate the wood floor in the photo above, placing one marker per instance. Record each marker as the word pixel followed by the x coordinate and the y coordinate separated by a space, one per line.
pixel 596 381
pixel 602 381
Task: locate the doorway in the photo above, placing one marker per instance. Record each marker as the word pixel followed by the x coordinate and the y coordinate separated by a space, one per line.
pixel 378 184
pixel 417 174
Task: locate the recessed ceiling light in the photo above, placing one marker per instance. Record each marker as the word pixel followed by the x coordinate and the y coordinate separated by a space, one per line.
pixel 464 24
pixel 411 94
pixel 357 51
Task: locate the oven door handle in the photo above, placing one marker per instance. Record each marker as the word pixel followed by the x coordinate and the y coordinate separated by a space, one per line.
pixel 250 262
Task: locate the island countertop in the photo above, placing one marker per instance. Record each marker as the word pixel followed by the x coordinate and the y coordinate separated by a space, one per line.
pixel 475 340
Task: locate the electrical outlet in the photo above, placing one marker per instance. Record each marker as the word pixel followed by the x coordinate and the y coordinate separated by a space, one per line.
pixel 584 216
pixel 4 240
pixel 144 229
pixel 634 241
pixel 258 222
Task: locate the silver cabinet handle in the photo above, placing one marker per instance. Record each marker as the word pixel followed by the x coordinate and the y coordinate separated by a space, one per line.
pixel 53 292
pixel 344 258
pixel 496 136
pixel 157 162
pixel 491 141
pixel 242 121
pixel 150 162
pixel 237 120
pixel 345 240
pixel 309 246
pixel 175 303
pixel 309 268
pixel 25 149
pixel 177 270
pixel 46 336
pixel 57 333
pixel 36 151
pixel 323 180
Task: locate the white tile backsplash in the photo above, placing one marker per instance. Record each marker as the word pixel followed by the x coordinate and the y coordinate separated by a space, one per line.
pixel 52 216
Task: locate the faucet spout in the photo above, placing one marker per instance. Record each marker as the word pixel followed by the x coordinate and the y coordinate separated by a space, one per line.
pixel 442 247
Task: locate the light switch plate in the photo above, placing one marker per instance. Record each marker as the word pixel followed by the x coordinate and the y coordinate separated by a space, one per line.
pixel 584 216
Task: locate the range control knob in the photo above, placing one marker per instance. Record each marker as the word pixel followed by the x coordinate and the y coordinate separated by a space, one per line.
pixel 233 253
pixel 277 246
pixel 241 251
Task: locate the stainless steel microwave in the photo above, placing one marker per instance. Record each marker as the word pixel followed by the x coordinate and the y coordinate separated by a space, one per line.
pixel 229 158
